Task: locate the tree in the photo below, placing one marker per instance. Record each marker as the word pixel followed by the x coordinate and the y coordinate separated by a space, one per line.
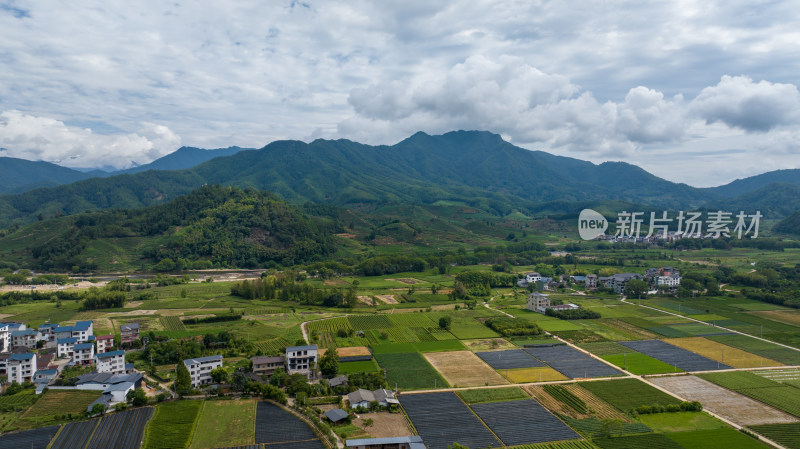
pixel 183 381
pixel 97 409
pixel 445 322
pixel 239 380
pixel 635 288
pixel 220 375
pixel 611 427
pixel 137 397
pixel 329 363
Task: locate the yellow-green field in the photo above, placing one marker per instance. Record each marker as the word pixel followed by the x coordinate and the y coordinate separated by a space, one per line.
pixel 722 353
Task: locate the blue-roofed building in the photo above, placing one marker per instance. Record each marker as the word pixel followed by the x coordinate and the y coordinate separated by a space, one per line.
pixel 26 338
pixel 44 377
pixel 66 347
pixel 201 367
pixel 21 367
pixel 81 330
pixel 83 354
pixel 47 331
pixel 111 362
pixel 301 359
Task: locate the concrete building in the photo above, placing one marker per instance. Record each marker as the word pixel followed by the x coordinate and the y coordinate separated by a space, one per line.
pixel 82 330
pixel 104 343
pixel 618 281
pixel 537 302
pixel 591 281
pixel 363 398
pixel 26 338
pixel 66 347
pixel 83 354
pixel 129 332
pixel 47 332
pixel 21 367
pixel 266 366
pixel 301 359
pixel 201 367
pixel 111 362
pixel 101 381
pixel 5 338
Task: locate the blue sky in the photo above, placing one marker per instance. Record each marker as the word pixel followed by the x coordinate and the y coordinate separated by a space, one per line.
pixel 695 92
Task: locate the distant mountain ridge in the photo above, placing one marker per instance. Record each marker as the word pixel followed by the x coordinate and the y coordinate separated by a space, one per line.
pixel 19 175
pixel 477 168
pixel 183 157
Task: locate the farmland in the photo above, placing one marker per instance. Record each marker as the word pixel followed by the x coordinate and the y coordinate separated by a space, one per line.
pixel 121 430
pixel 783 397
pixel 628 394
pixel 409 370
pixel 716 439
pixel 53 406
pixel 464 368
pixel 274 425
pixel 523 422
pixel 441 419
pixel 785 434
pixel 524 375
pixel 477 396
pixel 726 403
pixel 726 354
pixel 225 423
pixel 638 363
pixel 172 425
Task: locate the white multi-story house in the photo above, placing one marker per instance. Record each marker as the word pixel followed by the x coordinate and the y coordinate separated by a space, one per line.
pixel 5 338
pixel 104 343
pixel 26 338
pixel 82 330
pixel 301 359
pixel 21 367
pixel 111 362
pixel 47 332
pixel 533 277
pixel 66 347
pixel 618 281
pixel 201 367
pixel 129 332
pixel 83 354
pixel 591 281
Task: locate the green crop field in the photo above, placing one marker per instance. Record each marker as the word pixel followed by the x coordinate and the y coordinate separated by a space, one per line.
pixel 628 394
pixel 602 348
pixel 649 441
pixel 172 323
pixel 331 325
pixel 759 347
pixel 476 396
pixel 572 444
pixel 367 366
pixel 780 396
pixel 225 423
pixel 786 434
pixel 593 427
pixel 738 380
pixel 367 322
pixel 726 438
pixel 638 363
pixel 410 371
pixel 420 346
pixel 19 401
pixel 52 405
pixel 412 320
pixel 565 396
pixel 681 422
pixel 172 425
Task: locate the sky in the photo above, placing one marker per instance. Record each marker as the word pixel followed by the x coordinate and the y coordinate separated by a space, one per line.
pixel 701 92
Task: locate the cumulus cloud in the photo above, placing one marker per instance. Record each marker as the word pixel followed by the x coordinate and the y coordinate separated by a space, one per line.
pixel 42 138
pixel 739 102
pixel 509 96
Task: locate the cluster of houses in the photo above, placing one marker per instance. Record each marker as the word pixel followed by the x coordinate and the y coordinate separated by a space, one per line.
pixel 27 355
pixel 657 279
pixel 297 360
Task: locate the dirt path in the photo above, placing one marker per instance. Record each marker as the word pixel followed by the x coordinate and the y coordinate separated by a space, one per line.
pixel 162 385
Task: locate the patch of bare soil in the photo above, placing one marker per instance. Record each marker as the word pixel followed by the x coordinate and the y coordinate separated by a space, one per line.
pixel 388 299
pixel 384 424
pixel 726 403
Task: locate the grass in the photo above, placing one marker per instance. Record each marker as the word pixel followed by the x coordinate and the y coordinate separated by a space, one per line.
pixel 539 374
pixel 409 370
pixel 225 423
pixel 421 346
pixel 726 438
pixel 628 394
pixel 638 363
pixel 172 425
pixel 787 435
pixel 649 441
pixel 681 422
pixel 477 396
pixel 367 366
pixel 54 406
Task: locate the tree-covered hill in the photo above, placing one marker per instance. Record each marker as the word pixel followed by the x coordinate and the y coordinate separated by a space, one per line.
pixel 19 175
pixel 212 226
pixel 472 167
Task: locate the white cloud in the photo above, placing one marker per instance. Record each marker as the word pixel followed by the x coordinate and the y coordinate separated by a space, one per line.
pixel 741 103
pixel 47 139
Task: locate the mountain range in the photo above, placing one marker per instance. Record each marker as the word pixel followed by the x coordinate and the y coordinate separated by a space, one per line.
pixel 474 168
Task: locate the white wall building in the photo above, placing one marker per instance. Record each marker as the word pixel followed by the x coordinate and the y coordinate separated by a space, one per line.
pixel 201 367
pixel 111 362
pixel 21 367
pixel 83 354
pixel 301 359
pixel 104 343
